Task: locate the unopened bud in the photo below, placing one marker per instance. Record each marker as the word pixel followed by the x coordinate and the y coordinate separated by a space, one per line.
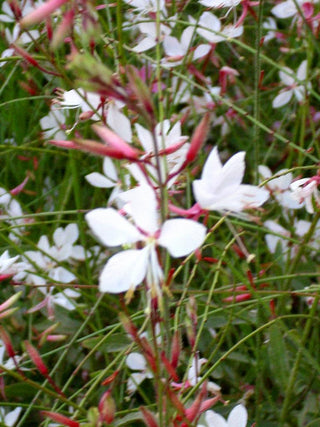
pixel 36 358
pixel 42 12
pixel 198 138
pixel 148 417
pixel 61 419
pixel 107 408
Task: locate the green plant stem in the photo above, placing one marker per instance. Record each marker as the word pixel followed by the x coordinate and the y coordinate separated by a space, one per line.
pixel 294 372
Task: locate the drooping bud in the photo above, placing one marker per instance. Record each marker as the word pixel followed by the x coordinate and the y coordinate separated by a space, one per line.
pixel 117 143
pixel 107 408
pixel 7 342
pixel 36 359
pixel 61 419
pixel 198 138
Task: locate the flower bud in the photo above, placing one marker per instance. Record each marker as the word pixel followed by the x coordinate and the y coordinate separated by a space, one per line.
pixel 107 408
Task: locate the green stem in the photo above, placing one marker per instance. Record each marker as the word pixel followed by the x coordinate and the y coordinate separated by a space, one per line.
pixel 294 371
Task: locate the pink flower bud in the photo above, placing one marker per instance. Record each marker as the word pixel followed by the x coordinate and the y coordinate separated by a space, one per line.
pixel 61 419
pixel 123 149
pixel 19 188
pixel 36 358
pixel 7 342
pixel 41 12
pixel 198 138
pixel 149 418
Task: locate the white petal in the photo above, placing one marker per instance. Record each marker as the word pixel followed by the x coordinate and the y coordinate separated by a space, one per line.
pixel 111 228
pixel 12 417
pixel 302 71
pixel 142 206
pixel 78 253
pixel 172 47
pixel 135 379
pixel 62 275
pixel 282 99
pixel 124 271
pixel 136 362
pixel 181 236
pixel 285 9
pixel 233 170
pixel 98 180
pixel 212 167
pixel 201 51
pixel 145 44
pixel 187 37
pixel 252 196
pixel 264 172
pixel 145 138
pixel 299 93
pixel 109 169
pixel 212 23
pixel 61 300
pixel 238 417
pixel 119 123
pixel 287 76
pixel 215 420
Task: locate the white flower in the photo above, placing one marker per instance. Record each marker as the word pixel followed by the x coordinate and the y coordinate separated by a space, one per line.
pixel 304 190
pixel 165 138
pixel 194 377
pixel 220 3
pixel 279 187
pixel 137 362
pixel 238 417
pixel 286 9
pixel 301 228
pixel 147 6
pixel 48 257
pixel 209 27
pixel 271 26
pixel 52 124
pixel 272 240
pixel 288 78
pixel 86 101
pixel 127 269
pixel 150 39
pixel 220 186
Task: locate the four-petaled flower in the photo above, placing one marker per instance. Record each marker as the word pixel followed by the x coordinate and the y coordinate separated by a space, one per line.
pixel 293 85
pixel 127 269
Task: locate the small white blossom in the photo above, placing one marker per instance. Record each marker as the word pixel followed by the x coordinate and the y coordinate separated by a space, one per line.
pixel 220 186
pixel 279 187
pixel 293 88
pixel 304 190
pixel 238 417
pixel 209 27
